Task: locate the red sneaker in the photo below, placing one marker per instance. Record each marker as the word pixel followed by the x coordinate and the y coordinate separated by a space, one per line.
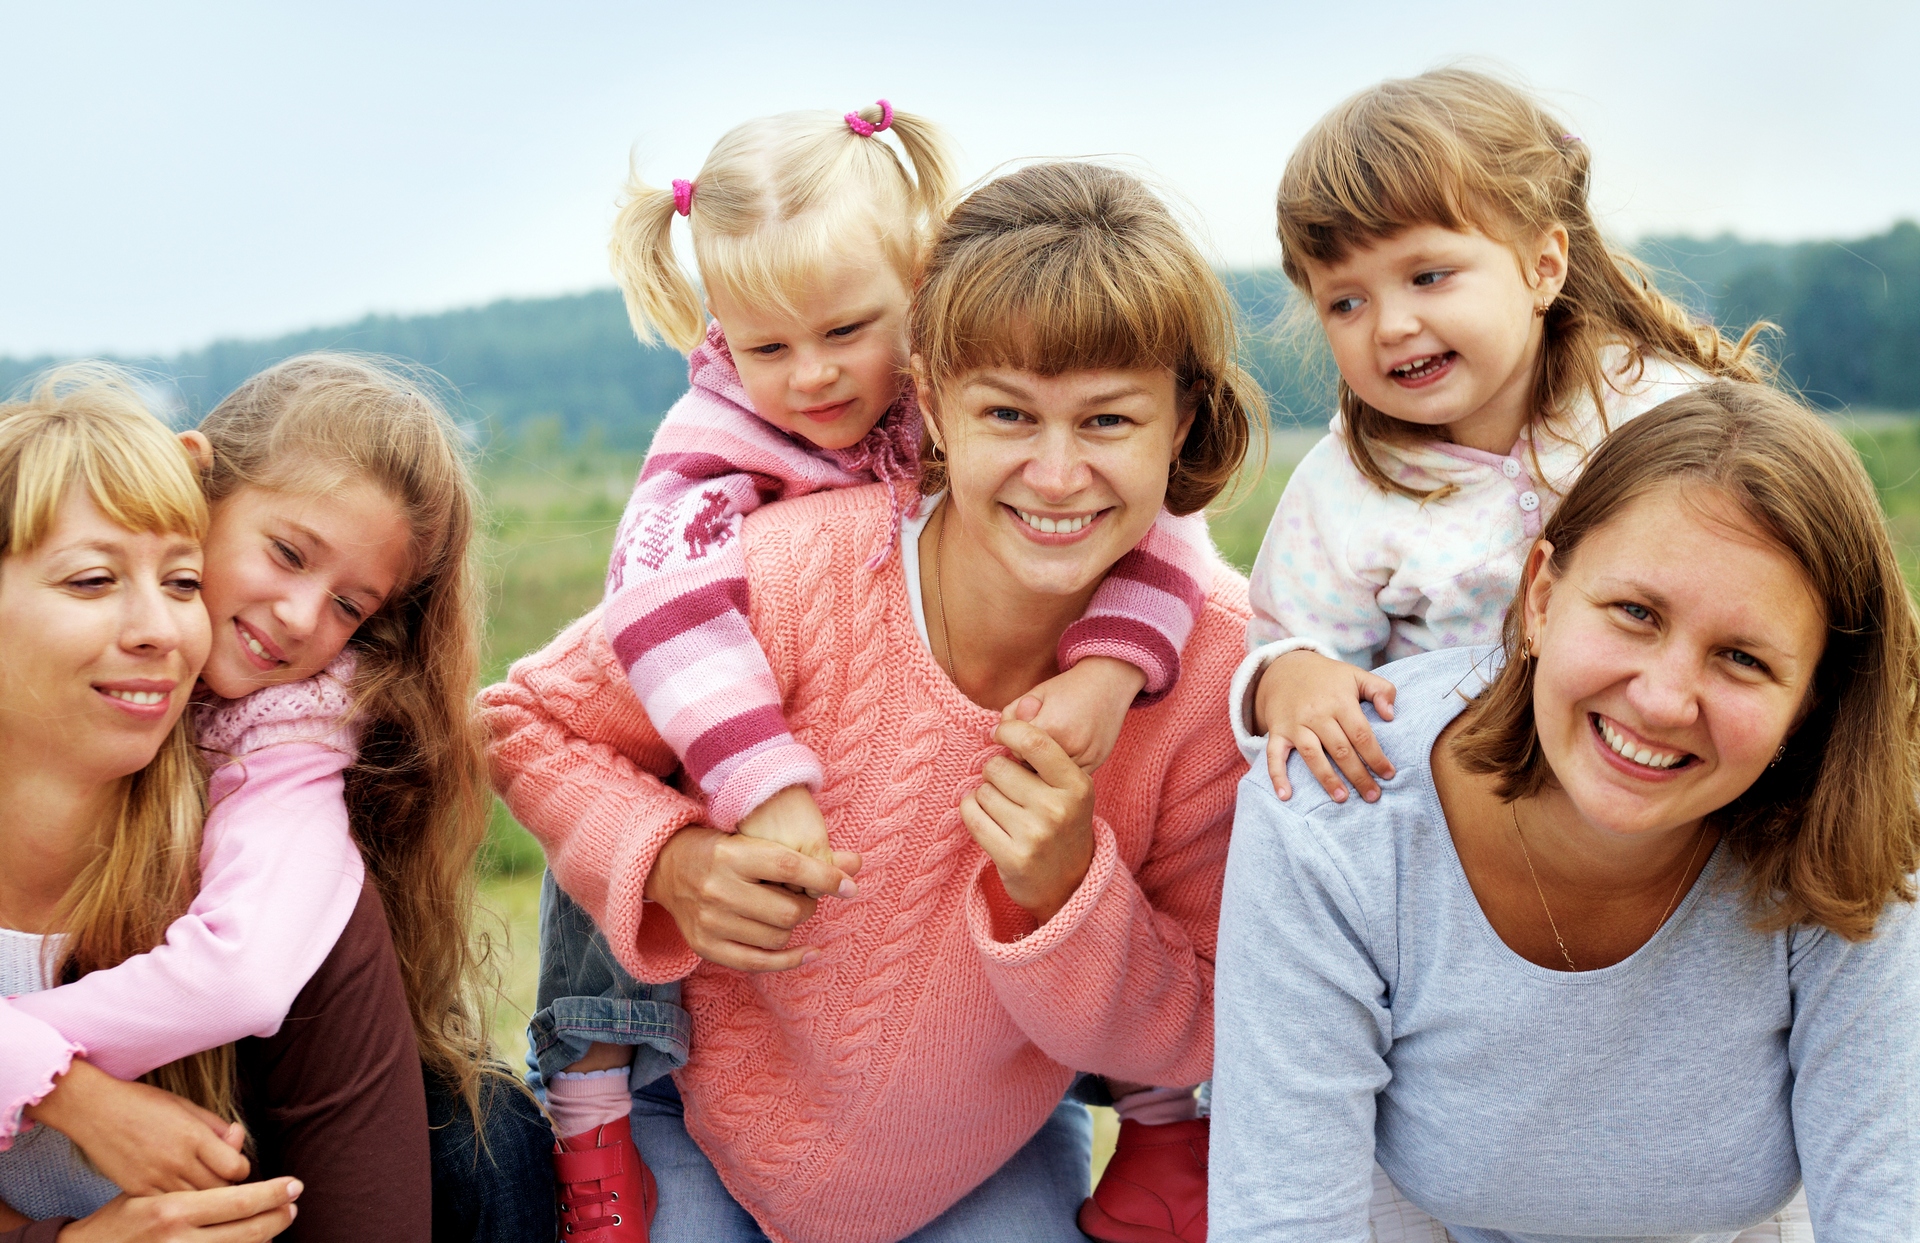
pixel 1155 1188
pixel 607 1193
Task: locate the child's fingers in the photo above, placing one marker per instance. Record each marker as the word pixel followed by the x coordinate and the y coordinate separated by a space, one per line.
pixel 1365 742
pixel 1315 756
pixel 1379 692
pixel 1278 749
pixel 1024 708
pixel 224 1163
pixel 1340 749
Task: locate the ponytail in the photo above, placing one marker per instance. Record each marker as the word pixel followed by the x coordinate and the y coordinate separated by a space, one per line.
pixel 928 155
pixel 662 303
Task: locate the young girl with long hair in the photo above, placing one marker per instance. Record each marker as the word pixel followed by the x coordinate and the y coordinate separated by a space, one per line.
pixel 1487 339
pixel 806 228
pixel 335 699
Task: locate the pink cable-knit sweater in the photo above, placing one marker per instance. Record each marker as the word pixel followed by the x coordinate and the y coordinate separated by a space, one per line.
pixel 279 876
pixel 854 1099
pixel 676 588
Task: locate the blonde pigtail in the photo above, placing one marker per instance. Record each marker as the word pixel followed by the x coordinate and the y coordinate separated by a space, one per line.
pixel 930 156
pixel 662 304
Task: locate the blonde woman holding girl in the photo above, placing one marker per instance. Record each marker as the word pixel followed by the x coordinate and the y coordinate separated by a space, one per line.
pixel 1487 339
pixel 806 228
pixel 333 713
pixel 892 1062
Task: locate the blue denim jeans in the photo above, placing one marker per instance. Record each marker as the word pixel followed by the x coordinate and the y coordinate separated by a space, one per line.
pixel 492 1182
pixel 585 997
pixel 1033 1198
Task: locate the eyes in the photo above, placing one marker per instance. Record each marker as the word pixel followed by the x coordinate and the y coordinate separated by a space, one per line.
pixel 1007 416
pixel 1426 279
pixel 180 584
pixel 1640 617
pixel 843 333
pixel 290 558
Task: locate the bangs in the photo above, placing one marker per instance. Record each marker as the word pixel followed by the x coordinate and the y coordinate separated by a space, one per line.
pixel 768 266
pixel 86 426
pixel 1065 298
pixel 1361 178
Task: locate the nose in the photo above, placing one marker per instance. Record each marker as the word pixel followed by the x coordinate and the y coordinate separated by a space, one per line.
pixel 814 374
pixel 1394 319
pixel 1666 694
pixel 300 610
pixel 1058 469
pixel 152 621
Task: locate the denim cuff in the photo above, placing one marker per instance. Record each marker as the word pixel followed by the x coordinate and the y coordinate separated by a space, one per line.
pixel 560 1032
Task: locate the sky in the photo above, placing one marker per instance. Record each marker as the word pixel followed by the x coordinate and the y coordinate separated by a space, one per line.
pixel 183 173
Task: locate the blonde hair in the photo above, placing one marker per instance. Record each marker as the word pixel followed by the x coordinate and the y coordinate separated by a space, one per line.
pixel 1830 833
pixel 776 199
pixel 417 795
pixel 1069 266
pixel 1462 150
pixel 86 426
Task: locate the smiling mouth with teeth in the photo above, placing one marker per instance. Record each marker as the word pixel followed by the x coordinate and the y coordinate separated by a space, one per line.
pixel 1421 368
pixel 1055 526
pixel 145 698
pixel 253 645
pixel 1639 755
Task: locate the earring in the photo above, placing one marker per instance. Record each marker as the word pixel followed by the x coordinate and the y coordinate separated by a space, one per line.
pixel 1540 308
pixel 1533 648
pixel 1777 755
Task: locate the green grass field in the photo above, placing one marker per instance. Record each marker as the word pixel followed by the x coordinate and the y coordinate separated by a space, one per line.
pixel 550 528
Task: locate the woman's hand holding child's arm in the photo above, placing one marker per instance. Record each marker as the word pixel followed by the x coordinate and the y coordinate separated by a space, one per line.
pixel 737 900
pixel 1310 704
pixel 792 819
pixel 1034 820
pixel 1082 709
pixel 146 1140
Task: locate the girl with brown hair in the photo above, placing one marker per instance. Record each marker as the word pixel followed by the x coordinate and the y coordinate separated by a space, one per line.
pixel 1628 950
pixel 1487 339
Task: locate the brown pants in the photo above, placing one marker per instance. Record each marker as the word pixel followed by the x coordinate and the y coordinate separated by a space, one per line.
pixel 335 1098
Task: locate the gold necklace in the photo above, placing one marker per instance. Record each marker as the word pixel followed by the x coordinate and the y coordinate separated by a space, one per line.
pixel 1513 809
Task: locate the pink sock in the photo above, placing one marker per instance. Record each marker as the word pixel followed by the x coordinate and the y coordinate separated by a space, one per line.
pixel 586 1102
pixel 1158 1106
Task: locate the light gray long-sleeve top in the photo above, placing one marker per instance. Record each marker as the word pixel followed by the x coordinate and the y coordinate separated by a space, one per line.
pixel 1366 1009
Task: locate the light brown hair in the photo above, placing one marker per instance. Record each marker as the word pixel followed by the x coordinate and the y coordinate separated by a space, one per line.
pixel 1073 266
pixel 417 795
pixel 776 198
pixel 1465 151
pixel 1831 833
pixel 86 426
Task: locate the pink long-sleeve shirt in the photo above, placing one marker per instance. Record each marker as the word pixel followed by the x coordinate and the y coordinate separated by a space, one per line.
pixel 676 609
pixel 937 1007
pixel 279 878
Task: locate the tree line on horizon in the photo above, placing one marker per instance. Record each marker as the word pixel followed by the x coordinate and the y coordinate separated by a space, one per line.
pixel 568 368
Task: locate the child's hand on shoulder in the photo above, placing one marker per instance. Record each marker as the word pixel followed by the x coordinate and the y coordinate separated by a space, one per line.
pixel 1083 709
pixel 792 819
pixel 1310 704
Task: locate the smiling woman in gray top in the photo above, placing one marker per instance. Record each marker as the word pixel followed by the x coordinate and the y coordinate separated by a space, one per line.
pixel 1627 949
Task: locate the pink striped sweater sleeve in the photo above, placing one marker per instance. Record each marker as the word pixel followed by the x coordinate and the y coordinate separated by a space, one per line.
pixel 677 590
pixel 279 877
pixel 1147 606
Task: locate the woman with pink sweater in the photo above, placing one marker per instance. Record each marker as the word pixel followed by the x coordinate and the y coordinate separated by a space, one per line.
pixel 890 1061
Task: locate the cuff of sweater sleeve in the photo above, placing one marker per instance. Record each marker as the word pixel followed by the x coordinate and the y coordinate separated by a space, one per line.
pixel 990 923
pixel 1124 638
pixel 1247 677
pixel 758 778
pixel 37 1059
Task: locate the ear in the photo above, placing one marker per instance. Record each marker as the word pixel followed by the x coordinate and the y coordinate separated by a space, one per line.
pixel 923 392
pixel 1537 577
pixel 1188 408
pixel 1549 267
pixel 199 447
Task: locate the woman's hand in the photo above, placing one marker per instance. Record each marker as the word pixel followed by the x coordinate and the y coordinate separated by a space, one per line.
pixel 1310 704
pixel 249 1213
pixel 737 900
pixel 144 1139
pixel 1082 709
pixel 1034 822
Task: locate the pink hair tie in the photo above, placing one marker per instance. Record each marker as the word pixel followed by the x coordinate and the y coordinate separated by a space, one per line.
pixel 682 196
pixel 867 129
